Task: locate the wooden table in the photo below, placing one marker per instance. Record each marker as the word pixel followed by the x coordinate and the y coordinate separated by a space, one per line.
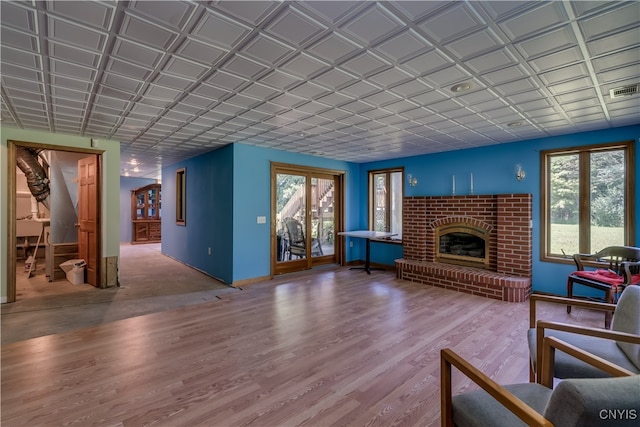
pixel 367 235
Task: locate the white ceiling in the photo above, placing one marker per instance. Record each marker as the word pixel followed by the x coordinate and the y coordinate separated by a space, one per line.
pixel 357 81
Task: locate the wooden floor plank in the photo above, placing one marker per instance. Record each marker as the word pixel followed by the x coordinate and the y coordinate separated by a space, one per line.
pixel 329 347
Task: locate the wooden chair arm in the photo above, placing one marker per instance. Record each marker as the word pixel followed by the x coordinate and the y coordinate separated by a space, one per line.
pixel 551 344
pixel 534 298
pixel 627 268
pixel 583 330
pixel 578 258
pixel 449 358
pixel 593 332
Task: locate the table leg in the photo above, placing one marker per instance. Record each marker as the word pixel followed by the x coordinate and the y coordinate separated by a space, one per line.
pixel 367 262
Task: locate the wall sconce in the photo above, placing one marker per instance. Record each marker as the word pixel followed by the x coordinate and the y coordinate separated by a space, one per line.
pixel 412 180
pixel 520 173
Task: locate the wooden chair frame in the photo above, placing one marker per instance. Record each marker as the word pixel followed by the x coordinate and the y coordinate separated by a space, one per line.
pixel 541 325
pixel 619 259
pixel 449 358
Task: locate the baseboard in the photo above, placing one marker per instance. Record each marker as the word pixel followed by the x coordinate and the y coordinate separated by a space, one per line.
pixel 245 282
pixel 358 263
pixel 3 300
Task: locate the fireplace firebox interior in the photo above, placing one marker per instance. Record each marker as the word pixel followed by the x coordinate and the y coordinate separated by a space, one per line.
pixel 463 245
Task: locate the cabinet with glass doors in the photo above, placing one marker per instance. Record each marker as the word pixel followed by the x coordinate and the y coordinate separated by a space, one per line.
pixel 146 214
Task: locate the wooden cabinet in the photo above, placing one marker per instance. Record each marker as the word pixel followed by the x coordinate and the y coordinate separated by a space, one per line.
pixel 146 214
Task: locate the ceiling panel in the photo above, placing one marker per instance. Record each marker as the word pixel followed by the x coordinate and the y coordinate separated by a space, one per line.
pixel 349 80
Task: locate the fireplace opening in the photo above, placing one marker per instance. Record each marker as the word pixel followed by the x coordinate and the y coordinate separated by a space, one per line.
pixel 463 245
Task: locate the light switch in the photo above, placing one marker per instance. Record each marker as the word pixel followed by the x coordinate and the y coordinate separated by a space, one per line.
pixel 262 220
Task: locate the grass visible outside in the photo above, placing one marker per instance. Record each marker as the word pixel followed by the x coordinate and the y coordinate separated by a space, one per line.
pixel 564 237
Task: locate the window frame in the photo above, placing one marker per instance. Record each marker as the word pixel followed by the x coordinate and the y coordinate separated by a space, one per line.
pixel 372 199
pixel 181 196
pixel 584 225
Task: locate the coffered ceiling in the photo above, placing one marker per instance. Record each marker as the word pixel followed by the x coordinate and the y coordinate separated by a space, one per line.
pixel 357 81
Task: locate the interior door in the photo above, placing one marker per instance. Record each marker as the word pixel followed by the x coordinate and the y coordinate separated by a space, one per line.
pixel 88 217
pixel 304 204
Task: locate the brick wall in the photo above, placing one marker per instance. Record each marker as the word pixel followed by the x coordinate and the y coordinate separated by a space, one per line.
pixel 479 211
pixel 514 234
pixel 506 218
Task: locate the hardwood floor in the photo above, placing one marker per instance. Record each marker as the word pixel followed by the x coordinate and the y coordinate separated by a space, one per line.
pixel 332 347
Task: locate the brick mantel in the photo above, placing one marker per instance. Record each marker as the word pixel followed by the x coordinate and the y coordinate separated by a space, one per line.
pixel 506 217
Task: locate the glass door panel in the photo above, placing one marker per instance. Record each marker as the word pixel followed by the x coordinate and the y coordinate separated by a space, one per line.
pixel 140 206
pixel 291 214
pixel 322 217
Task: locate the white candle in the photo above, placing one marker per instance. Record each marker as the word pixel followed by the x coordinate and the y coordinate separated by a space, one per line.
pixel 471 182
pixel 453 184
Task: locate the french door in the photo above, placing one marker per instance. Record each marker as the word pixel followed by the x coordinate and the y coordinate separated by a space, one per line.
pixel 306 211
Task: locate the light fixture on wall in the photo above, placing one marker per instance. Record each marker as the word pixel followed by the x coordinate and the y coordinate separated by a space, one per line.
pixel 412 180
pixel 520 173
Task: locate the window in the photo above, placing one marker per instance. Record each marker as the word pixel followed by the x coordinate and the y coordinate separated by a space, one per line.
pixel 181 196
pixel 385 201
pixel 586 199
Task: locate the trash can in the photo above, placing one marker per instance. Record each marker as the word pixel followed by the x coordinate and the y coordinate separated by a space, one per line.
pixel 74 269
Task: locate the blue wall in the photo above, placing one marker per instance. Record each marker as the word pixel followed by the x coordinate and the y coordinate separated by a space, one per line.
pixel 252 198
pixel 493 169
pixel 126 185
pixel 209 214
pixel 229 188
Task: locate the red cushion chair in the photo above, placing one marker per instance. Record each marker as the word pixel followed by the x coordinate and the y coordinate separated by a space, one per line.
pixel 612 269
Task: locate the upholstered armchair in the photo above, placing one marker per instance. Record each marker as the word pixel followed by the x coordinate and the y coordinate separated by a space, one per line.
pixel 573 402
pixel 620 345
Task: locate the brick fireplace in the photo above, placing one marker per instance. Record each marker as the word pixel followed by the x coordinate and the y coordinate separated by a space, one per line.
pixel 504 220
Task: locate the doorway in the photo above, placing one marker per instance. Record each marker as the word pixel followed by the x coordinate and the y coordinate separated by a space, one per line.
pixel 73 195
pixel 306 207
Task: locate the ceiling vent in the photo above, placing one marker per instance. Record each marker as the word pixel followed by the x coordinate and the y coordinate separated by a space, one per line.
pixel 621 91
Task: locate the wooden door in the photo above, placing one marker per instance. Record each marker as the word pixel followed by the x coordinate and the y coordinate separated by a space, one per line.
pixel 88 217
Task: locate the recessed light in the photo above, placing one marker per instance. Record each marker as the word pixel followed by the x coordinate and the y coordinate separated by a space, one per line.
pixel 514 124
pixel 461 87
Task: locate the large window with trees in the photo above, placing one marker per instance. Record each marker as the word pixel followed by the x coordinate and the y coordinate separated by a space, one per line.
pixel 587 199
pixel 385 201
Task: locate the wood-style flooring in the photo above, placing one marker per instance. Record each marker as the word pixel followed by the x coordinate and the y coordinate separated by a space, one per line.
pixel 330 347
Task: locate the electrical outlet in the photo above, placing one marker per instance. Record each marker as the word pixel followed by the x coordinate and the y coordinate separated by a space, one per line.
pixel 262 220
pixel 209 250
pixel 351 243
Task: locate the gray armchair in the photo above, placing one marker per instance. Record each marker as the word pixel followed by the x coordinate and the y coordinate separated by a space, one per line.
pixel 620 345
pixel 574 402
